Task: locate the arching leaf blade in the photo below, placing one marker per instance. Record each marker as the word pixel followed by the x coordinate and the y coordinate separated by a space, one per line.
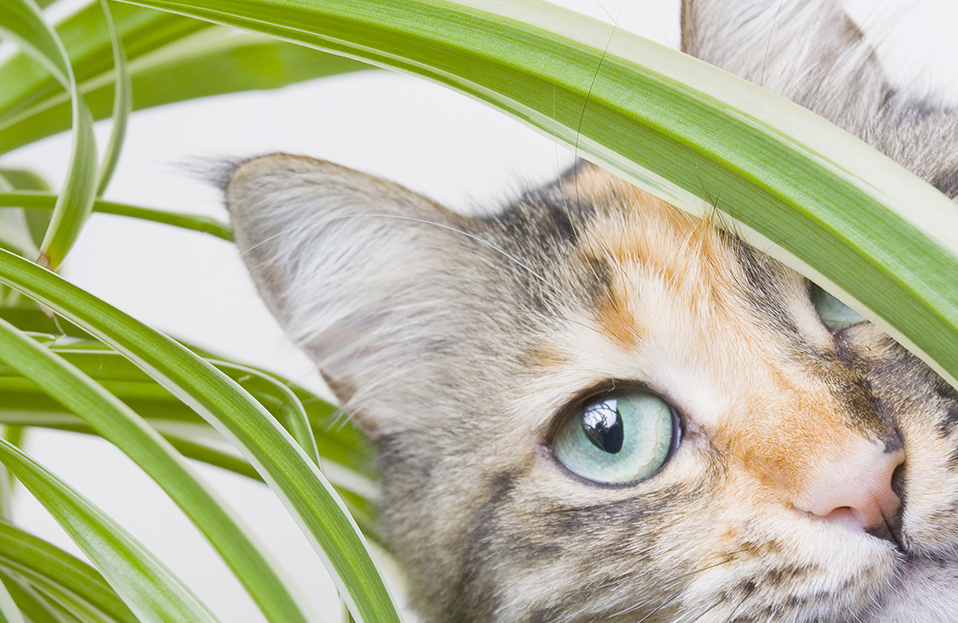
pixel 46 201
pixel 145 584
pixel 9 610
pixel 22 20
pixel 115 422
pixel 297 482
pixel 29 601
pixel 802 189
pixel 205 64
pixel 122 105
pixel 40 561
pixel 88 44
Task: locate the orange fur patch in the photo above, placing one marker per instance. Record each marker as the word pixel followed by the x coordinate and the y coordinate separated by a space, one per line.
pixel 785 425
pixel 682 250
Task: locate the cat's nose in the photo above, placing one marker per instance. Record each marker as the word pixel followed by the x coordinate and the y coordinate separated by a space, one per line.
pixel 854 489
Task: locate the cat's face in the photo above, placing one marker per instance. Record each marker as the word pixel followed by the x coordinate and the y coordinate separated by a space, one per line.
pixel 594 407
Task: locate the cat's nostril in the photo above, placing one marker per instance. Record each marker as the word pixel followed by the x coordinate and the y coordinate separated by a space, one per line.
pixel 855 491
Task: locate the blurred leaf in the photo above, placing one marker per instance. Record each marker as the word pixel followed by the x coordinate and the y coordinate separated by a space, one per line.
pixel 30 602
pixel 40 561
pixel 208 63
pixel 37 221
pixel 86 38
pixel 9 611
pixel 22 18
pixel 122 105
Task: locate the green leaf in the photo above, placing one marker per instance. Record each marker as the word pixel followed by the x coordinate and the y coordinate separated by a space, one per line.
pixel 116 423
pixel 87 40
pixel 122 105
pixel 809 193
pixel 346 455
pixel 148 588
pixel 68 606
pixel 292 414
pixel 28 180
pixel 46 201
pixel 23 19
pixel 29 601
pixel 297 481
pixel 9 611
pixel 207 63
pixel 22 179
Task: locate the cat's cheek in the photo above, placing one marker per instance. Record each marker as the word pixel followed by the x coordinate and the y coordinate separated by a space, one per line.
pixel 930 487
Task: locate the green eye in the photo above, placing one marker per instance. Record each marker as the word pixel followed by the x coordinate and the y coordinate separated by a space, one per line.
pixel 835 314
pixel 617 437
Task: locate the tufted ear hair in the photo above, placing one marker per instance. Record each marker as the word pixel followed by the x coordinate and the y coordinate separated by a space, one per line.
pixel 354 268
pixel 813 53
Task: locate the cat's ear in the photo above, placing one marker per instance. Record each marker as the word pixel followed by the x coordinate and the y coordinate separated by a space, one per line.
pixel 352 266
pixel 807 50
pixel 813 53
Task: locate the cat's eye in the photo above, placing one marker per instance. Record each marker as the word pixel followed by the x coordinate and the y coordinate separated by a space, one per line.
pixel 617 437
pixel 834 314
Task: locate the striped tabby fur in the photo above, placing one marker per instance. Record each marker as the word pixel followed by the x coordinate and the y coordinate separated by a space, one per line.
pixel 816 477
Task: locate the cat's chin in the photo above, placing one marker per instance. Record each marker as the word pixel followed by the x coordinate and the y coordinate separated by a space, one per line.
pixel 923 591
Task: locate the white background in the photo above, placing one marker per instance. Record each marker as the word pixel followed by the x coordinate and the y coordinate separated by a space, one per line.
pixel 193 286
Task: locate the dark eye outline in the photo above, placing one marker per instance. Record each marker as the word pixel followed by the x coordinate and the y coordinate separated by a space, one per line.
pixel 816 295
pixel 607 388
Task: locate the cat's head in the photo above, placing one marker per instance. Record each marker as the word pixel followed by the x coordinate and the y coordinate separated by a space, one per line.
pixel 765 434
pixel 594 407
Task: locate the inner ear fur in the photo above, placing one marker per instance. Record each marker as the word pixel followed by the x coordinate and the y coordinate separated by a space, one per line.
pixel 350 265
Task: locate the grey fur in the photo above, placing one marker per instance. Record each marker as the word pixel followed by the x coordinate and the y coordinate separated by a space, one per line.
pixel 456 342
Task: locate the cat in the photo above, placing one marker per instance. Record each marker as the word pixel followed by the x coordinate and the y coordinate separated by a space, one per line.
pixel 592 406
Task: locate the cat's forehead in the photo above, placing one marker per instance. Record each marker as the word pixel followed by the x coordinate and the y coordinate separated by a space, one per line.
pixel 722 331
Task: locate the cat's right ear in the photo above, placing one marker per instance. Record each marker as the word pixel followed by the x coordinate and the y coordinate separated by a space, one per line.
pixel 813 53
pixel 352 266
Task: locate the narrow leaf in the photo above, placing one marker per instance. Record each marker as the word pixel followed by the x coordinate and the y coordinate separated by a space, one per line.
pixel 9 611
pixel 46 201
pixel 292 413
pixel 116 423
pixel 37 221
pixel 145 584
pixel 23 19
pixel 297 481
pixel 122 105
pixel 42 562
pixel 88 44
pixel 220 61
pixel 807 192
pixel 30 602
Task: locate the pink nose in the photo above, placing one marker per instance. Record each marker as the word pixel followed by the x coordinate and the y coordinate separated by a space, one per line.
pixel 854 489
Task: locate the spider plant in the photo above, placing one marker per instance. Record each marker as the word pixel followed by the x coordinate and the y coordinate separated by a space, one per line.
pixel 72 362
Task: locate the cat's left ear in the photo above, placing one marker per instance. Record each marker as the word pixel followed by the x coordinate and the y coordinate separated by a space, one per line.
pixel 352 266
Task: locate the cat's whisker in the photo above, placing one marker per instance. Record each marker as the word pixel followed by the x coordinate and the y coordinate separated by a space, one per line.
pixel 768 43
pixel 557 290
pixel 520 482
pixel 456 230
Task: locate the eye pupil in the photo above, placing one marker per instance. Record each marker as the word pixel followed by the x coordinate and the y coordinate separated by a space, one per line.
pixel 620 436
pixel 602 424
